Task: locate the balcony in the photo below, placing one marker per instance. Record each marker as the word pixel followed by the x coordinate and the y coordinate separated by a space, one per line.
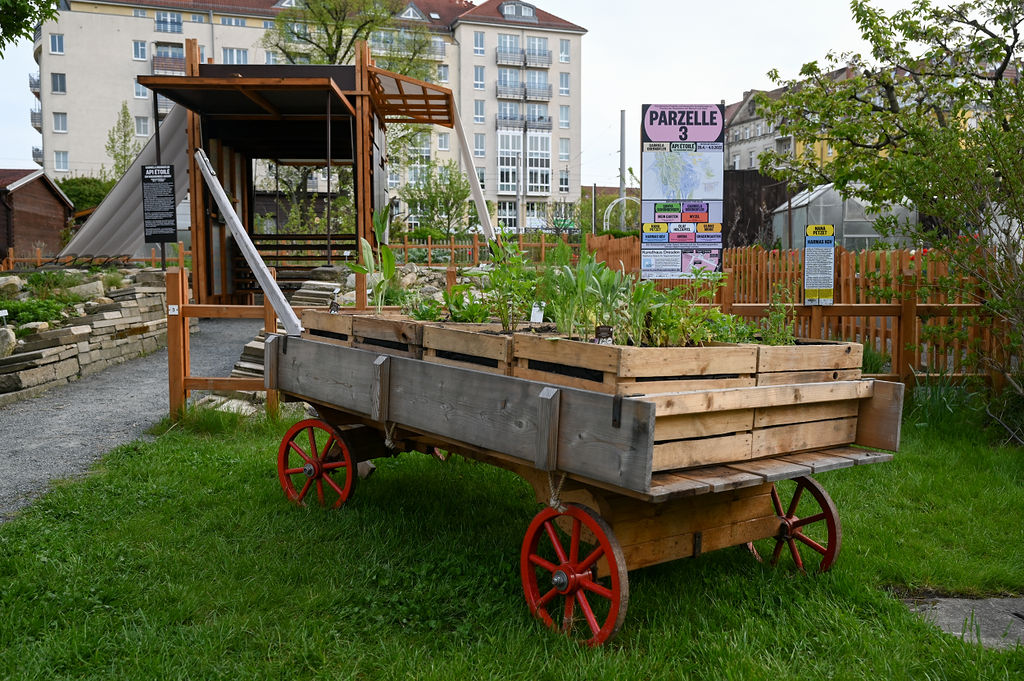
pixel 538 92
pixel 538 58
pixel 168 26
pixel 538 122
pixel 37 155
pixel 396 48
pixel 33 83
pixel 510 91
pixel 36 116
pixel 168 64
pixel 509 121
pixel 510 57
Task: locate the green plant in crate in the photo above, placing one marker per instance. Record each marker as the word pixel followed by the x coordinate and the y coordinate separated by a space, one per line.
pixel 777 327
pixel 382 264
pixel 510 284
pixel 463 307
pixel 423 309
pixel 642 299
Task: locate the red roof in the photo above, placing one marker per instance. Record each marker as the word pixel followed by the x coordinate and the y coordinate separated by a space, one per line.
pixel 10 176
pixel 447 10
pixel 490 12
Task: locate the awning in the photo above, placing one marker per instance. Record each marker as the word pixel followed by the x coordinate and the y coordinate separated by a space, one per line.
pixel 401 99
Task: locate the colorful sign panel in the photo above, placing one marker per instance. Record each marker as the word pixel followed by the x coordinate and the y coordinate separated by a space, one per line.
pixel 819 265
pixel 682 173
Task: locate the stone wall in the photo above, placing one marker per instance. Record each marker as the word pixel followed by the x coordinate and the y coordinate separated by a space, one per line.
pixel 135 323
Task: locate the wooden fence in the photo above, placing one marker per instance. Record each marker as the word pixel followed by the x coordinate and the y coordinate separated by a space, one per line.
pixel 11 262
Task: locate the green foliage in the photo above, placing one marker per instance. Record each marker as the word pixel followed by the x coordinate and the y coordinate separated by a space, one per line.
pixel 777 326
pixel 874 362
pixel 510 285
pixel 934 119
pixel 122 145
pixel 86 192
pixel 423 309
pixel 380 264
pixel 18 18
pixel 37 309
pixel 464 307
pixel 46 284
pixel 113 280
pixel 439 198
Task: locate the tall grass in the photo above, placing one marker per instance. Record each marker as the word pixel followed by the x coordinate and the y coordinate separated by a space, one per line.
pixel 179 558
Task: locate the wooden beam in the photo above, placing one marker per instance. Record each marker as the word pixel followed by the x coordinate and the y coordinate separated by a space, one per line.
pixel 761 396
pixel 261 101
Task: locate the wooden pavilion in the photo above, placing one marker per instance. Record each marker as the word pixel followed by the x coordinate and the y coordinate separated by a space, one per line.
pixel 306 115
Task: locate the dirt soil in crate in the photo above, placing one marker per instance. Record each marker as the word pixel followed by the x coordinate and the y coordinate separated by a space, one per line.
pixel 64 430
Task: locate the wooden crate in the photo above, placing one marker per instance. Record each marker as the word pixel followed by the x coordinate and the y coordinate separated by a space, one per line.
pixel 395 335
pixel 472 346
pixel 321 325
pixel 736 425
pixel 809 361
pixel 626 370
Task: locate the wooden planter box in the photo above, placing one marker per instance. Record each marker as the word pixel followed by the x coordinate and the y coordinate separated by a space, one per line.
pixel 627 370
pixel 321 325
pixel 467 346
pixel 398 336
pixel 809 361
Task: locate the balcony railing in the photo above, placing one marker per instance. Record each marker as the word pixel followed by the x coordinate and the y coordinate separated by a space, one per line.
pixel 397 49
pixel 510 57
pixel 33 83
pixel 36 116
pixel 507 121
pixel 538 122
pixel 175 64
pixel 168 27
pixel 538 92
pixel 37 155
pixel 520 91
pixel 510 91
pixel 538 57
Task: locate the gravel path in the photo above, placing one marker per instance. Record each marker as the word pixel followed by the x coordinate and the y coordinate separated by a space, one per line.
pixel 64 430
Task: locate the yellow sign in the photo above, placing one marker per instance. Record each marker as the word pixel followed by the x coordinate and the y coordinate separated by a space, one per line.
pixel 709 227
pixel 655 228
pixel 821 230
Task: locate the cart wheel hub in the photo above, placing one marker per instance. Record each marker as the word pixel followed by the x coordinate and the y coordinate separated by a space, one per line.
pixel 309 470
pixel 560 581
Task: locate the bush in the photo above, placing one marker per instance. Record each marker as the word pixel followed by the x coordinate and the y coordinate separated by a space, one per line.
pixel 36 309
pixel 46 284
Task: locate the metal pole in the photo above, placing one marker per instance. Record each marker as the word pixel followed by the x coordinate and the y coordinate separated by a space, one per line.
pixel 622 167
pixel 329 248
pixel 156 138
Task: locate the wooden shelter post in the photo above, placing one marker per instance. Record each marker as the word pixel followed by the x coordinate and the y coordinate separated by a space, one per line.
pixel 197 199
pixel 361 167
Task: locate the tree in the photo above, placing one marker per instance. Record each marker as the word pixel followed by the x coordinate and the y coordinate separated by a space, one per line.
pixel 934 118
pixel 86 192
pixel 18 19
pixel 302 212
pixel 438 197
pixel 122 146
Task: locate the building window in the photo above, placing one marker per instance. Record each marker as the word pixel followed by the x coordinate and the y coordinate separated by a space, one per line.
pixel 478 78
pixel 537 112
pixel 141 91
pixel 444 140
pixel 442 73
pixel 60 160
pixel 139 50
pixel 563 149
pixel 478 111
pixel 508 217
pixel 198 18
pixel 563 116
pixel 563 51
pixel 753 160
pixel 478 43
pixel 759 128
pixel 60 121
pixel 563 83
pixel 510 149
pixel 271 57
pixel 56 43
pixel 479 144
pixel 508 111
pixel 58 83
pixel 235 55
pixel 828 150
pixel 394 179
pixel 268 24
pixel 508 43
pixel 563 181
pixel 232 21
pixel 138 13
pixel 735 161
pixel 168 22
pixel 480 177
pixel 537 46
pixel 538 180
pixel 508 77
pixel 141 126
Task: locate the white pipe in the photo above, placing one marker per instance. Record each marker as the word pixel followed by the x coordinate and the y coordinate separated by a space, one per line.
pixel 474 181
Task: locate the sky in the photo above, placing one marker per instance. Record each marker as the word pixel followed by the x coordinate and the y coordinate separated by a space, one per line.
pixel 634 53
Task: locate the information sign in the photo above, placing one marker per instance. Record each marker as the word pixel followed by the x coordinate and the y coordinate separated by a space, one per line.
pixel 159 219
pixel 819 265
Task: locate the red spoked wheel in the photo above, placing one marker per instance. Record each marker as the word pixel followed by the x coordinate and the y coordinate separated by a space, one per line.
pixel 809 527
pixel 312 457
pixel 574 574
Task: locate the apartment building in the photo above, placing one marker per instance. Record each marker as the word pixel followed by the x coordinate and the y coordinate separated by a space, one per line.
pixel 515 71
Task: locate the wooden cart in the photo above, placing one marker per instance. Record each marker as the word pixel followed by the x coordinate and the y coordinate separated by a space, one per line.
pixel 628 481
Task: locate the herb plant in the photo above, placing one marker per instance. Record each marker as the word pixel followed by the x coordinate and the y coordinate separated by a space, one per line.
pixel 510 285
pixel 381 264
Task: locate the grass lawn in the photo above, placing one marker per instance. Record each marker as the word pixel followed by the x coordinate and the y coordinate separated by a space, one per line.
pixel 180 558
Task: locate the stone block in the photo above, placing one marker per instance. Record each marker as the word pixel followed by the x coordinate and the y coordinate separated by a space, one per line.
pixel 90 289
pixel 37 376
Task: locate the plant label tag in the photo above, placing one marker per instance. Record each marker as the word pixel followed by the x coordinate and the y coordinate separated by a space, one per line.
pixel 537 313
pixel 172 310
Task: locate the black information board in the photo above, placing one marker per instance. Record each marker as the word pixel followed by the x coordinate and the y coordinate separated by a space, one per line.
pixel 160 221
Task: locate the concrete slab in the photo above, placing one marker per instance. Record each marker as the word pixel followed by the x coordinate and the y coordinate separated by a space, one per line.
pixel 993 622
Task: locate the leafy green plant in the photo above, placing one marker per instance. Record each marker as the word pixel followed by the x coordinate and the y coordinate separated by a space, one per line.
pixel 642 299
pixel 463 307
pixel 381 264
pixel 510 285
pixel 777 327
pixel 113 280
pixel 37 309
pixel 46 284
pixel 423 309
pixel 874 362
